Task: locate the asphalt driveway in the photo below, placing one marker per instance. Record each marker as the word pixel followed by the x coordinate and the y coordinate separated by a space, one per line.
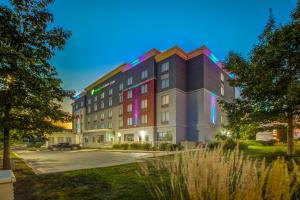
pixel 57 161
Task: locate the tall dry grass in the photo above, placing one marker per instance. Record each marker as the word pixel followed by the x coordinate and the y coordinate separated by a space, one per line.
pixel 215 174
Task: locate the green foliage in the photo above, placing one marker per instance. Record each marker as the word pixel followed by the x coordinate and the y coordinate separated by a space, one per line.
pixel 268 80
pixel 123 146
pixel 30 91
pixel 228 144
pixel 169 147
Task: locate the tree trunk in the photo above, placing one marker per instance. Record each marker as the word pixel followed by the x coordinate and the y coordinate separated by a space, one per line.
pixel 290 137
pixel 6 150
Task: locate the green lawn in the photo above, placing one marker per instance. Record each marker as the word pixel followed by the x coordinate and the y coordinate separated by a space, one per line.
pixel 119 182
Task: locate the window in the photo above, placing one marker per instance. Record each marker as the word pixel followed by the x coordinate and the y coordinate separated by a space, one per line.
pixel 95 118
pixel 144 119
pixel 120 123
pixel 51 140
pixel 110 113
pixel 129 81
pixel 121 86
pixel 81 103
pixel 89 101
pixel 60 139
pixel 222 120
pixel 144 104
pixel 95 107
pixel 222 77
pixel 110 125
pixel 121 111
pixel 102 95
pixel 164 83
pixel 165 100
pixel 95 127
pixel 165 136
pixel 94 139
pixel 102 126
pixel 129 137
pixel 129 108
pixel 88 120
pixel 129 94
pixel 102 116
pixel 165 67
pixel 129 121
pixel 95 98
pixel 89 109
pixel 100 138
pixel 120 98
pixel 86 139
pixel 76 107
pixel 144 74
pixel 110 101
pixel 102 104
pixel 144 89
pixel 165 117
pixel 222 89
pixel 110 91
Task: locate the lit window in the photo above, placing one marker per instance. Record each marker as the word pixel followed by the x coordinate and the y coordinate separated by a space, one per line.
pixel 110 91
pixel 144 104
pixel 110 113
pixel 129 108
pixel 110 101
pixel 121 111
pixel 165 67
pixel 129 81
pixel 129 94
pixel 129 121
pixel 144 74
pixel 110 125
pixel 222 89
pixel 102 104
pixel 121 86
pixel 164 83
pixel 222 77
pixel 165 117
pixel 95 107
pixel 120 98
pixel 129 137
pixel 144 89
pixel 144 119
pixel 102 95
pixel 95 98
pixel 165 100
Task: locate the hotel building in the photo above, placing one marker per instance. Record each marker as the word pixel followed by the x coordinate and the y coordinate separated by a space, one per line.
pixel 169 96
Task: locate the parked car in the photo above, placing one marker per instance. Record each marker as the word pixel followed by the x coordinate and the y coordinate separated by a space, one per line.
pixel 64 146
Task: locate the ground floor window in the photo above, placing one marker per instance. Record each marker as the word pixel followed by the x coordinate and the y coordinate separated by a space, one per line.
pixel 86 139
pixel 129 137
pixel 165 136
pixel 51 140
pixel 60 140
pixel 68 139
pixel 100 138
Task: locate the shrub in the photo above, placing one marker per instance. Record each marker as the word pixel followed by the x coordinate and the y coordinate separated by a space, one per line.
pixel 147 146
pixel 169 147
pixel 136 146
pixel 124 146
pixel 35 145
pixel 228 144
pixel 116 146
pixel 219 174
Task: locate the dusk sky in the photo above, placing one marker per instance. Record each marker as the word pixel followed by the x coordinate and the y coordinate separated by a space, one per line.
pixel 108 33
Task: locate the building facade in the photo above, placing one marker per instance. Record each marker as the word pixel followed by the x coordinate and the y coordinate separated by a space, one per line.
pixel 169 96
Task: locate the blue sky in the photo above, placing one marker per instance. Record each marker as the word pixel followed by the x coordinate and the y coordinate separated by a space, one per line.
pixel 108 33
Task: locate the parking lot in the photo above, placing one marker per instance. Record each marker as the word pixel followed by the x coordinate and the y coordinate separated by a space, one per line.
pixel 57 161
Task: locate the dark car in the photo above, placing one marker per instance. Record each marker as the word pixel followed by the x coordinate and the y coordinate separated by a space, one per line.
pixel 64 146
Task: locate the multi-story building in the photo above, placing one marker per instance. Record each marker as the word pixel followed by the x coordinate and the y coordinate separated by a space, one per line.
pixel 169 96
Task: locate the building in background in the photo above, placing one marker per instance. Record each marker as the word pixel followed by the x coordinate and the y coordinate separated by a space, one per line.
pixel 169 96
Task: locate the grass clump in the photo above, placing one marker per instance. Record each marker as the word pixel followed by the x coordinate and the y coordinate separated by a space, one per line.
pixel 220 174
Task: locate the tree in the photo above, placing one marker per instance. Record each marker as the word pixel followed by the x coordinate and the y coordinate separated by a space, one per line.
pixel 30 92
pixel 270 79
